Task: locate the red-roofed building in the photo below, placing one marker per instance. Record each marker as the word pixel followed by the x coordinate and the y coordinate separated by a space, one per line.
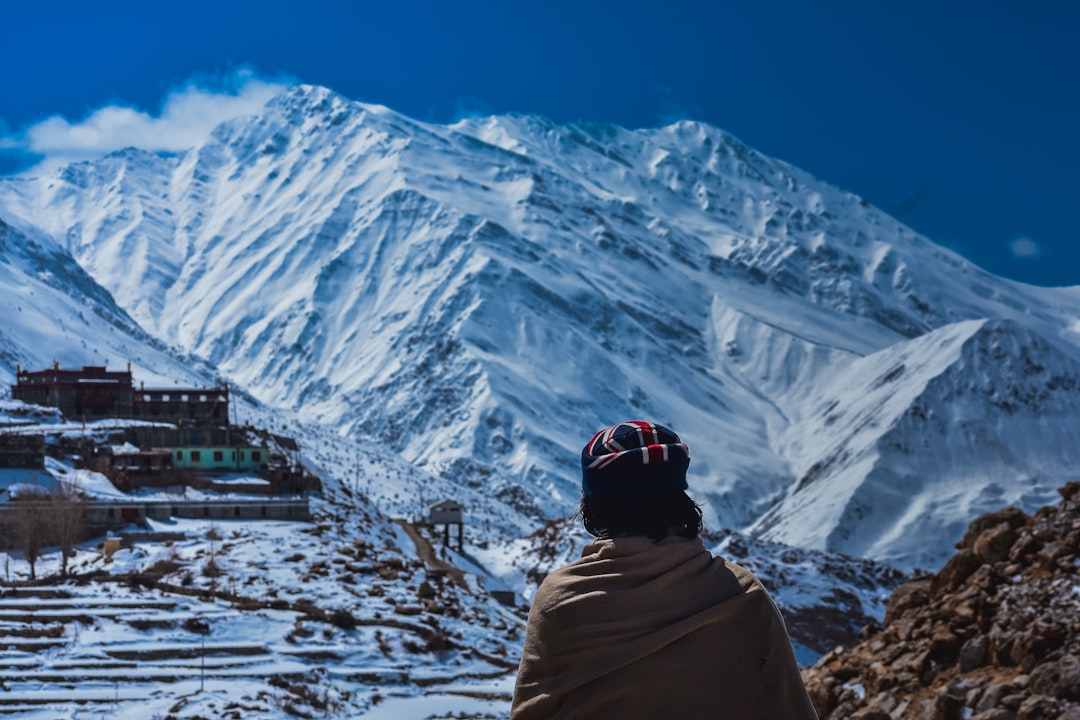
pixel 94 393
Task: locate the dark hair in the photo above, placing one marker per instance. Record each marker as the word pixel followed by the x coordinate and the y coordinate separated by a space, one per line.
pixel 655 516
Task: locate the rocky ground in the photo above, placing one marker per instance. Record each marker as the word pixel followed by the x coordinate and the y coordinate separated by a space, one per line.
pixel 994 635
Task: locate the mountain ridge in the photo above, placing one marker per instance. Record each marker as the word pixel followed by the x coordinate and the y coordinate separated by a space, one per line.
pixel 933 404
pixel 480 296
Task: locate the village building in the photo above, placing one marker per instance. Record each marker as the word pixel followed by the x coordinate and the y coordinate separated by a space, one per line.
pixel 181 438
pixel 94 393
pixel 219 458
pixel 131 459
pixel 198 406
pixel 26 452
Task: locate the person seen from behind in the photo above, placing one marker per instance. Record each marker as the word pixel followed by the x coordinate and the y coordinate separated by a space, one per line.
pixel 648 624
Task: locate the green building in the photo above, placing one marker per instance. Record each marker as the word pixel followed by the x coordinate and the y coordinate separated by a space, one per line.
pixel 220 458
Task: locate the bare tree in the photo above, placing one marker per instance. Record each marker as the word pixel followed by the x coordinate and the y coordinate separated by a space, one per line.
pixel 68 520
pixel 38 520
pixel 30 528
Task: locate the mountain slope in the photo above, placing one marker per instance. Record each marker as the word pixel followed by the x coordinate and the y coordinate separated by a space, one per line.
pixel 900 448
pixel 55 312
pixel 481 297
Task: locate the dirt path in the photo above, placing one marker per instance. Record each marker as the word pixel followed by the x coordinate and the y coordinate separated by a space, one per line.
pixel 427 553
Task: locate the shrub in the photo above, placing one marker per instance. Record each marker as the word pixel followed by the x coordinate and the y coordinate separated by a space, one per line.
pixel 196 625
pixel 436 641
pixel 164 566
pixel 343 619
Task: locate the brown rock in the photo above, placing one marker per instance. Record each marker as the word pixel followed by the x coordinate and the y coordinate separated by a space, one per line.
pixel 991 697
pixel 985 579
pixel 1013 702
pixel 944 645
pixel 878 675
pixel 1012 516
pixel 884 701
pixel 843 711
pixel 1025 546
pixel 1071 491
pixel 995 714
pixel 1072 540
pixel 823 695
pixel 924 709
pixel 1025 649
pixel 906 682
pixel 993 544
pixel 947 707
pixel 905 629
pixel 965 611
pixel 913 662
pixel 955 571
pixel 1037 707
pixel 974 653
pixel 909 595
pixel 1060 680
pixel 1051 553
pixel 1001 642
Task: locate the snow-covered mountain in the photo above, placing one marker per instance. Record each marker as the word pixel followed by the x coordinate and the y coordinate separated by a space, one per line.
pixel 53 311
pixel 905 443
pixel 481 297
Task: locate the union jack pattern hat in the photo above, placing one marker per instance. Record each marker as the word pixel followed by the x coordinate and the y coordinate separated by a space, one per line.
pixel 633 459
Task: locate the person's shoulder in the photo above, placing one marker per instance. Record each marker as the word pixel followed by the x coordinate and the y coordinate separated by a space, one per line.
pixel 746 579
pixel 567 573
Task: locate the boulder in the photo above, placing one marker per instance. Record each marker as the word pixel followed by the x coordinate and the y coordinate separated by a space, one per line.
pixel 993 544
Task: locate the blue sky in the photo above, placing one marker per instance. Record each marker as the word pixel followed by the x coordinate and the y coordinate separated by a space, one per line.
pixel 960 117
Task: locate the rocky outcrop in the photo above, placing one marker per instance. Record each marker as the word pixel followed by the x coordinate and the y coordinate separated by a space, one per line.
pixel 994 635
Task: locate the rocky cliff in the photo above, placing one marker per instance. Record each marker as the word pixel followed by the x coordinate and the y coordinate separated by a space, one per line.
pixel 994 635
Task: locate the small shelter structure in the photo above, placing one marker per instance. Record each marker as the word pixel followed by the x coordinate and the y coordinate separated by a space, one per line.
pixel 447 513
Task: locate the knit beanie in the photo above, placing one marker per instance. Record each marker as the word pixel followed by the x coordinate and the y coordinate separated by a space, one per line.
pixel 633 459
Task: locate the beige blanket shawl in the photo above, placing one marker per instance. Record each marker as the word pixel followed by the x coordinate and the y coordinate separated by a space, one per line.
pixel 637 629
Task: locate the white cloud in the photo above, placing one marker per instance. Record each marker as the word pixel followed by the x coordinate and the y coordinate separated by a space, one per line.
pixel 187 115
pixel 1025 247
pixel 471 107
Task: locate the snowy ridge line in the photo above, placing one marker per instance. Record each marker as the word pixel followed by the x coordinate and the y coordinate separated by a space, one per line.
pixel 435 290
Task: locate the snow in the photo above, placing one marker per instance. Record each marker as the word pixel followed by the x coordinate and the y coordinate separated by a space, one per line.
pixel 449 311
pixel 452 701
pixel 131 639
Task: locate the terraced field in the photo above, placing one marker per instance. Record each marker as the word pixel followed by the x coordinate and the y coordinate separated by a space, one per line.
pixel 294 628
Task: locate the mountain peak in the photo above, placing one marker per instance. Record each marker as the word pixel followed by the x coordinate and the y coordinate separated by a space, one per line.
pixel 482 296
